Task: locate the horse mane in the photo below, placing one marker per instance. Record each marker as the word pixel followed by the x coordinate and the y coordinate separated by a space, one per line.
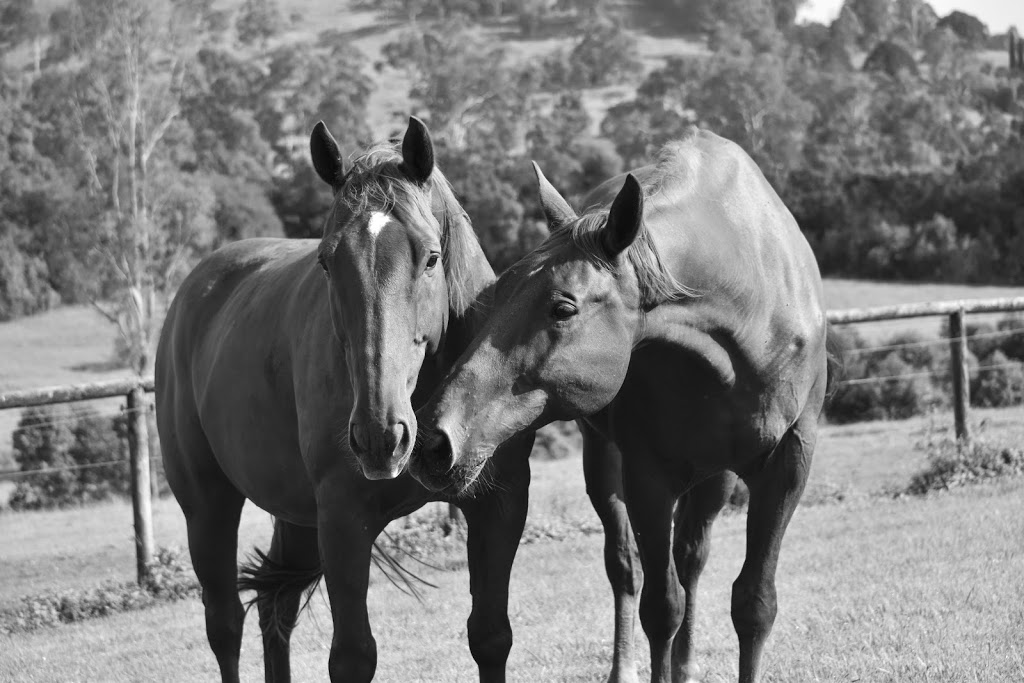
pixel 377 181
pixel 656 283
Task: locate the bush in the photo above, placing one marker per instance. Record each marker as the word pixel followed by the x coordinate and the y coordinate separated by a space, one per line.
pixel 998 383
pixel 24 283
pixel 170 579
pixel 63 440
pixel 1012 344
pixel 953 463
pixel 979 340
pixel 880 399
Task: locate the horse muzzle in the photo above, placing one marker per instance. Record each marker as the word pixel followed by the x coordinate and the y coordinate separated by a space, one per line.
pixel 433 461
pixel 382 450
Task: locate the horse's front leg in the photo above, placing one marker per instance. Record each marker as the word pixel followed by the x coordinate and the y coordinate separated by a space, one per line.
pixel 495 523
pixel 346 537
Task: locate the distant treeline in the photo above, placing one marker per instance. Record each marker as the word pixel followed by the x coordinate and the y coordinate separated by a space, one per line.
pixel 135 137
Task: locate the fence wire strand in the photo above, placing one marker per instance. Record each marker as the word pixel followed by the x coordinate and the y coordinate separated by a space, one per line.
pixel 77 415
pixel 932 342
pixel 64 468
pixel 927 373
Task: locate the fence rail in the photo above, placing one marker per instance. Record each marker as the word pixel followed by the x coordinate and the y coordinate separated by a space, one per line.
pixel 133 389
pixel 925 310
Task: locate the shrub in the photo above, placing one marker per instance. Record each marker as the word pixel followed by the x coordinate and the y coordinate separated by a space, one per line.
pixel 63 440
pixel 1012 344
pixel 41 442
pixel 878 398
pixel 953 463
pixel 979 341
pixel 998 382
pixel 170 579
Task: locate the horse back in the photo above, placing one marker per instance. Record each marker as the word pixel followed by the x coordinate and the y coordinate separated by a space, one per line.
pixel 748 350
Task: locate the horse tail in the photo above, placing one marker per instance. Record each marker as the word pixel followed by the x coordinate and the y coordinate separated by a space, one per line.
pixel 273 581
pixel 834 348
pixel 400 576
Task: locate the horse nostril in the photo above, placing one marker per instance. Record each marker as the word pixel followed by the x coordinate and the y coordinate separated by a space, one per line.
pixel 402 434
pixel 357 438
pixel 437 449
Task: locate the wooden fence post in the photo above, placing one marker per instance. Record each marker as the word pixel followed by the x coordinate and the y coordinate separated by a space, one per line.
pixel 142 508
pixel 960 372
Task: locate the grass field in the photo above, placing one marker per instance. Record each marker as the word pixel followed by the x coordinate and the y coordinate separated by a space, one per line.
pixel 870 589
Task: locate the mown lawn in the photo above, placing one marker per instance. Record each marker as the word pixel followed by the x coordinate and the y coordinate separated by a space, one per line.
pixel 908 590
pixel 870 589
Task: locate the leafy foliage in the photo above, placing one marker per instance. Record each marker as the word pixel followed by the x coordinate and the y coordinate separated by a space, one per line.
pixel 170 579
pixel 910 375
pixel 64 454
pixel 953 463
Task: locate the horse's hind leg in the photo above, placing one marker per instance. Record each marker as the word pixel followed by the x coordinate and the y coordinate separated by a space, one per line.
pixel 651 500
pixel 774 493
pixel 291 566
pixel 602 468
pixel 213 543
pixel 695 513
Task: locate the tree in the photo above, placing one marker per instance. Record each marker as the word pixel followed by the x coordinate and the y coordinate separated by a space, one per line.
pixel 967 27
pixel 126 102
pixel 891 59
pixel 258 21
pixel 19 22
pixel 877 18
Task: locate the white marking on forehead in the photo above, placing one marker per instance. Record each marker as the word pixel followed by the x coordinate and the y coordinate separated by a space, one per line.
pixel 377 222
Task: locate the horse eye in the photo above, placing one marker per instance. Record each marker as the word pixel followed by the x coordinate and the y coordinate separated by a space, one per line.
pixel 432 260
pixel 563 310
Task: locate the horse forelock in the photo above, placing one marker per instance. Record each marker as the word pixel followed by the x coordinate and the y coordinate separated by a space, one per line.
pixel 376 182
pixel 656 283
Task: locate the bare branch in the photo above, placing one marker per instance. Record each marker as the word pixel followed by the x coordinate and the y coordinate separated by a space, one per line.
pixel 157 135
pixel 111 317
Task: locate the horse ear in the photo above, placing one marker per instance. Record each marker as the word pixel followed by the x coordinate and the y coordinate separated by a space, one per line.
pixel 556 209
pixel 624 218
pixel 417 151
pixel 326 157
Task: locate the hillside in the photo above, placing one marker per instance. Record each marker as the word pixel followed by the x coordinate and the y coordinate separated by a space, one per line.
pixel 370 30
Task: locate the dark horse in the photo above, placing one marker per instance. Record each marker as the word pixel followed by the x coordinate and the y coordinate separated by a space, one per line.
pixel 296 391
pixel 695 384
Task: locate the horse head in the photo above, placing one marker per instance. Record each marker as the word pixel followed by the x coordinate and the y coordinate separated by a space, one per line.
pixel 392 256
pixel 557 342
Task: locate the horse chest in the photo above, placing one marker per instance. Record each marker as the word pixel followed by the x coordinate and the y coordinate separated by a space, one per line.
pixel 679 419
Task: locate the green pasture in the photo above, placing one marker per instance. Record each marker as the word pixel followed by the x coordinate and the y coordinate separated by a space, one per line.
pixel 871 588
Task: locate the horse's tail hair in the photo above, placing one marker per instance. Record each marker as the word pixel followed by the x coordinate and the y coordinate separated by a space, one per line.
pixel 273 582
pixel 834 349
pixel 394 571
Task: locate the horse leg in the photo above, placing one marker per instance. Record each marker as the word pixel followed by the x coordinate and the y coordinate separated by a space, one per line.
pixel 650 501
pixel 774 493
pixel 213 543
pixel 494 525
pixel 346 538
pixel 602 469
pixel 291 566
pixel 695 513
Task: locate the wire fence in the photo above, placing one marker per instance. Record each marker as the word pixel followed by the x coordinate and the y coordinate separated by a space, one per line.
pixel 74 414
pixel 71 418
